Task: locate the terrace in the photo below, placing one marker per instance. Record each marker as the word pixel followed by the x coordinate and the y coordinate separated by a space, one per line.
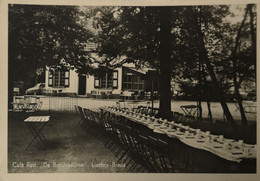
pixel 78 145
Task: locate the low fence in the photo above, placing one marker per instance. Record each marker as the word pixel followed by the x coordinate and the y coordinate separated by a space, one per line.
pixel 60 104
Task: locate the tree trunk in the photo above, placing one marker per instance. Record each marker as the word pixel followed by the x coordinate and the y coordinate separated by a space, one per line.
pixel 234 61
pixel 199 109
pixel 165 63
pixel 204 56
pixel 206 92
pixel 209 111
pixel 252 32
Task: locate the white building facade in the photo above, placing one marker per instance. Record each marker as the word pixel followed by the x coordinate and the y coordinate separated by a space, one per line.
pixel 122 81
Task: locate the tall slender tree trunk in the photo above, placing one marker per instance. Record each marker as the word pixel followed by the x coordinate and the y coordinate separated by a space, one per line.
pixel 204 56
pixel 209 111
pixel 199 109
pixel 234 61
pixel 165 63
pixel 206 92
pixel 253 33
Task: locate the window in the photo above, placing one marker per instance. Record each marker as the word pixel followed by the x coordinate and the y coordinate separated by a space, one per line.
pixel 96 82
pixel 59 78
pixel 115 79
pixel 110 80
pixel 132 82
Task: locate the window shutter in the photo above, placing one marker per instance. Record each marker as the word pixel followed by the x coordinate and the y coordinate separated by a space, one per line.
pixel 96 82
pixel 115 79
pixel 50 82
pixel 67 78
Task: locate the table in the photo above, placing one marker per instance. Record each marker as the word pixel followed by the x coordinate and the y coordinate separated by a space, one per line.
pixel 26 103
pixel 190 110
pixel 218 145
pixel 36 124
pixel 133 104
pixel 24 106
pixel 203 152
pixel 101 93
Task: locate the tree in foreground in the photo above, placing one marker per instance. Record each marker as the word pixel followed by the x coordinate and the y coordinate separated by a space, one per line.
pixel 144 35
pixel 173 40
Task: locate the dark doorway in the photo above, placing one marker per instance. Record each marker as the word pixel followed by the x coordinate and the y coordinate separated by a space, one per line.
pixel 82 85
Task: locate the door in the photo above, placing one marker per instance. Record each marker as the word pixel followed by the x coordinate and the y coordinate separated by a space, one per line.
pixel 82 85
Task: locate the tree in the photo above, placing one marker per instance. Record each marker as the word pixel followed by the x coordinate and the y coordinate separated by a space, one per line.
pixel 238 57
pixel 192 16
pixel 142 35
pixel 234 61
pixel 218 37
pixel 194 44
pixel 42 36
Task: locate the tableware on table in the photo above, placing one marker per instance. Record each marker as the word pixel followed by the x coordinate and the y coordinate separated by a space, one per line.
pixel 240 142
pixel 171 130
pixel 143 119
pixel 221 137
pixel 227 145
pixel 149 121
pixel 190 136
pixel 198 131
pixel 207 139
pixel 192 129
pixel 179 125
pixel 156 122
pixel 247 151
pixel 214 137
pixel 207 133
pixel 163 127
pixel 197 136
pixel 180 133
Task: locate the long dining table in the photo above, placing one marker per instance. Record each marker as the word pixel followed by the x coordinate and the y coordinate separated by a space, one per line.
pixel 201 145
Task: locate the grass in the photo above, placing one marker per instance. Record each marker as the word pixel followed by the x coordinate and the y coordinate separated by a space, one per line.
pixel 67 143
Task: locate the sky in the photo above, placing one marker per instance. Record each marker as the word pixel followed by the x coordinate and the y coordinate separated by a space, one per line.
pixel 238 11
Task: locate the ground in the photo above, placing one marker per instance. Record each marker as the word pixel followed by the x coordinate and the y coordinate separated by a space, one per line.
pixel 68 142
pixel 61 103
pixel 72 144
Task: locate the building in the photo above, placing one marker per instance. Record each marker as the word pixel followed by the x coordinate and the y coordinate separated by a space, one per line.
pixel 126 82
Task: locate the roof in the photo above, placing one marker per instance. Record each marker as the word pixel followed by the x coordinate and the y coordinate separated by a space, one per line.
pixel 142 71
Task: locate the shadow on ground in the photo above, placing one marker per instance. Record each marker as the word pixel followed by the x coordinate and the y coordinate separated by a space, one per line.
pixel 70 148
